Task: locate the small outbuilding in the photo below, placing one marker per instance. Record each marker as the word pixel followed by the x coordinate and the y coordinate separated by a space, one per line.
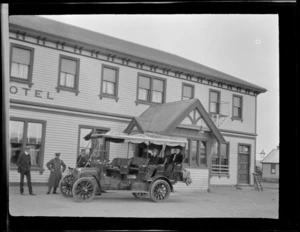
pixel 270 166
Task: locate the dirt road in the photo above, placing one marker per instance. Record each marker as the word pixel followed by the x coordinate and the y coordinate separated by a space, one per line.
pixel 220 202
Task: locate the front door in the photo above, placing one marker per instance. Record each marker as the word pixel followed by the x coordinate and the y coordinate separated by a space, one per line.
pixel 243 164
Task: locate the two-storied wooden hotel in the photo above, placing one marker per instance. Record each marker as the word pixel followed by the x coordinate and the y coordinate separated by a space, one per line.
pixel 66 81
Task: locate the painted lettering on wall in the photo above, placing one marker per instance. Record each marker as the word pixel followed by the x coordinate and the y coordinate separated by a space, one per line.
pixel 30 92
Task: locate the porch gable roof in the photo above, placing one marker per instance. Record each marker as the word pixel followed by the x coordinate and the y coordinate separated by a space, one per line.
pixel 164 118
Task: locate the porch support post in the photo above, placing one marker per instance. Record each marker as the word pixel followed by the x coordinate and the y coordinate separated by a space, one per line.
pixel 209 165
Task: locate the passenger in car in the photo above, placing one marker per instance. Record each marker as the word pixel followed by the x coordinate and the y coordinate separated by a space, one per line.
pixel 152 163
pixel 176 158
pixel 83 159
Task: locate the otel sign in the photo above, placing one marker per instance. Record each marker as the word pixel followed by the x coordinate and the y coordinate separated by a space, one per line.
pixel 30 92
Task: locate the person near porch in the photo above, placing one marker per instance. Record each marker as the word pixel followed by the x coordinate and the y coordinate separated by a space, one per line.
pixel 56 167
pixel 175 158
pixel 24 164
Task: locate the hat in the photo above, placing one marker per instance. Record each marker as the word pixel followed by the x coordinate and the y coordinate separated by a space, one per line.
pixel 155 150
pixel 27 147
pixel 150 152
pixel 57 154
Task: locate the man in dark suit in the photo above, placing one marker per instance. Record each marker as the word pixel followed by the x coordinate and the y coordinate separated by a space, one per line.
pixel 151 166
pixel 24 164
pixel 175 158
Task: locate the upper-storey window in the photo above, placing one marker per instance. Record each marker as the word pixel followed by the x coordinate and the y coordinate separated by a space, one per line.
pixel 151 89
pixel 21 64
pixel 237 107
pixel 109 83
pixel 187 91
pixel 68 74
pixel 214 101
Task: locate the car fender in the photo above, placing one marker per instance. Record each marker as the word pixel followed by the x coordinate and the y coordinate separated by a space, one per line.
pixel 160 177
pixel 95 179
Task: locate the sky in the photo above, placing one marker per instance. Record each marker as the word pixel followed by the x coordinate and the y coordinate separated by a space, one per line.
pixel 244 46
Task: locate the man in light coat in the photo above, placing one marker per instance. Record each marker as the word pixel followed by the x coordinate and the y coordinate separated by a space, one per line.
pixel 56 166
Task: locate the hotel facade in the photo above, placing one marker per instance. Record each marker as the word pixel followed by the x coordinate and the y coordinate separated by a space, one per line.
pixel 66 81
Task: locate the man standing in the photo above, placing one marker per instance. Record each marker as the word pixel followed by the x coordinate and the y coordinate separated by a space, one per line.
pixel 24 164
pixel 54 167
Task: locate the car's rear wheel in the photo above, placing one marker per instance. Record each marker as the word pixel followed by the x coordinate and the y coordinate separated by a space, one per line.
pixel 84 189
pixel 140 195
pixel 160 190
pixel 65 185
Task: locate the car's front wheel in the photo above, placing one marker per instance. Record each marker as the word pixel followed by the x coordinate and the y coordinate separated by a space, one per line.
pixel 160 190
pixel 84 189
pixel 65 185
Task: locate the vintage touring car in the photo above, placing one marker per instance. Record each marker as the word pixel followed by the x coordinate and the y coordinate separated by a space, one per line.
pixel 132 169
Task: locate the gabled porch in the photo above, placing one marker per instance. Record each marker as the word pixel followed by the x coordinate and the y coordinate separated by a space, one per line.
pixel 207 151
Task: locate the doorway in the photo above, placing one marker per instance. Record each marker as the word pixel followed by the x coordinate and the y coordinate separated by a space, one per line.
pixel 243 164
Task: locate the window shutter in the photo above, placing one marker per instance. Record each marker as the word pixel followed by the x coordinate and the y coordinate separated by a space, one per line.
pixel 68 66
pixel 21 56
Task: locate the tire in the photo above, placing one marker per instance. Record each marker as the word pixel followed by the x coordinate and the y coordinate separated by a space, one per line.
pixel 65 185
pixel 140 195
pixel 84 189
pixel 160 190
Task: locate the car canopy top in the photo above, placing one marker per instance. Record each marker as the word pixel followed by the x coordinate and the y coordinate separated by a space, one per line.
pixel 147 138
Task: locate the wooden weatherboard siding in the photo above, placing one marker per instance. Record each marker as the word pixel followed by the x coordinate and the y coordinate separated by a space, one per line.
pixel 62 136
pixel 233 162
pixel 45 75
pixel 266 173
pixel 200 181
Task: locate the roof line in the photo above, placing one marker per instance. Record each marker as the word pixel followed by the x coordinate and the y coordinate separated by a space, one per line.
pixel 137 50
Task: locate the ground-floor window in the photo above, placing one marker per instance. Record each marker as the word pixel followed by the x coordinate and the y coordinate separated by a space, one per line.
pixel 196 153
pixel 220 159
pixel 25 132
pixel 87 147
pixel 273 168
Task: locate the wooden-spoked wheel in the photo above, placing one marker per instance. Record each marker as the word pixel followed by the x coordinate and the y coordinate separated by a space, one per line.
pixel 140 195
pixel 160 190
pixel 84 189
pixel 65 185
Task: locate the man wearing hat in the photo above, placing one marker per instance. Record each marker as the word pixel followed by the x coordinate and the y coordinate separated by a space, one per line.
pixel 24 164
pixel 54 167
pixel 154 158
